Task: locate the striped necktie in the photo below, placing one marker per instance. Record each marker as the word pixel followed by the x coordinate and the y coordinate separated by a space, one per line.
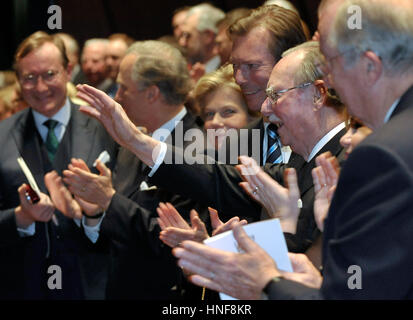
pixel 274 147
pixel 51 140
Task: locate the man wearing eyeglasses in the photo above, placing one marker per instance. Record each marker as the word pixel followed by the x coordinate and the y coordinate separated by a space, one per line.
pixel 34 236
pixel 310 119
pixel 367 253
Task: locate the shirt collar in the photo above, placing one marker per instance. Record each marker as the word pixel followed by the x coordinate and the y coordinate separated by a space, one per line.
pixel 212 64
pixel 63 115
pixel 325 140
pixel 170 125
pixel 391 110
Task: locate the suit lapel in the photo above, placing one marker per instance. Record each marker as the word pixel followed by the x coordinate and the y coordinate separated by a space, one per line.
pixel 127 175
pixel 27 140
pixel 81 130
pixel 305 173
pixel 404 103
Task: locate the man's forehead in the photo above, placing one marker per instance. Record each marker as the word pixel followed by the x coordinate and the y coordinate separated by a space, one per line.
pixel 283 73
pixel 251 46
pixel 47 55
pixel 191 22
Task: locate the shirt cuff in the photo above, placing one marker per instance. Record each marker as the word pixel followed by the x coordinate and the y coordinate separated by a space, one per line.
pixel 27 232
pixel 92 232
pixel 159 159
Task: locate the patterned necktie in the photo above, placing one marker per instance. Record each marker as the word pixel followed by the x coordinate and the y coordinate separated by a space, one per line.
pixel 51 141
pixel 274 147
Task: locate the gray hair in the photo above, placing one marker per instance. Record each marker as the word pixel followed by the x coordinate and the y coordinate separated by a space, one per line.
pixel 94 41
pixel 209 16
pixel 162 65
pixel 308 70
pixel 387 30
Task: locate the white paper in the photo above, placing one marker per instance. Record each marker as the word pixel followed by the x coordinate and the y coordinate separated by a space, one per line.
pixel 28 175
pixel 267 234
pixel 104 157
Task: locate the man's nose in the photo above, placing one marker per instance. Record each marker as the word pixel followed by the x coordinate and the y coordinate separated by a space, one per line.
pixel 266 107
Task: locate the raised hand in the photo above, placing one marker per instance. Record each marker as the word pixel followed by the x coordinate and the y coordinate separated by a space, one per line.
pixel 325 177
pixel 280 202
pixel 219 226
pixel 109 113
pixel 175 229
pixel 61 196
pixel 89 188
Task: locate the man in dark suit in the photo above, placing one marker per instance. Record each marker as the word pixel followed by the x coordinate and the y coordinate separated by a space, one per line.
pixel 309 131
pixel 318 126
pixel 31 240
pixel 366 249
pixel 154 82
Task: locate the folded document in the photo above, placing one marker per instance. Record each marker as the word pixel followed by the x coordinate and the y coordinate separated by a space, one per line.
pixel 267 234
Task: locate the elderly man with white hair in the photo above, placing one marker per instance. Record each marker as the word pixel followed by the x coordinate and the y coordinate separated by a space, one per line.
pixel 198 35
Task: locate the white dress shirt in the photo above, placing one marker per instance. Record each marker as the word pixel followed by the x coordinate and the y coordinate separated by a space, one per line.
pixel 324 140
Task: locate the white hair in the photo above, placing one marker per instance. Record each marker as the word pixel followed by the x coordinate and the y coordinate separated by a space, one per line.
pixel 98 41
pixel 208 15
pixel 387 30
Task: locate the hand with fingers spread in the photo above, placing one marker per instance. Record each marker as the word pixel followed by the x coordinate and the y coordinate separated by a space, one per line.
pixel 109 113
pixel 89 188
pixel 116 121
pixel 241 275
pixel 27 213
pixel 175 229
pixel 325 177
pixel 280 202
pixel 218 226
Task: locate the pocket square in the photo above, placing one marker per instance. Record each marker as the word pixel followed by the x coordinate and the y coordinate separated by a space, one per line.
pixel 144 187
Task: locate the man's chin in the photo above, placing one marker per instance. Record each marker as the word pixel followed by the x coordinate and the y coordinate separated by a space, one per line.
pixel 255 100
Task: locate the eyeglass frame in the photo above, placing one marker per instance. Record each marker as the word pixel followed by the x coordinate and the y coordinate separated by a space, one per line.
pixel 46 77
pixel 270 91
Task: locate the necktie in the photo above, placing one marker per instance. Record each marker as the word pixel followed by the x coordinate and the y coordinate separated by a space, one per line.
pixel 274 147
pixel 51 141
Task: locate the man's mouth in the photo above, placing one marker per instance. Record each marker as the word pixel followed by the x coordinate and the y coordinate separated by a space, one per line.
pixel 275 120
pixel 248 93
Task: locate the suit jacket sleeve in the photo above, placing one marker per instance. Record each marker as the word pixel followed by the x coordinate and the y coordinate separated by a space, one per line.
pixel 214 185
pixel 291 290
pixel 125 219
pixel 8 228
pixel 368 225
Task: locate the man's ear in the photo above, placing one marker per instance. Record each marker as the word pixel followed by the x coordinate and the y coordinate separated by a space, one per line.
pixel 372 67
pixel 152 93
pixel 320 95
pixel 69 70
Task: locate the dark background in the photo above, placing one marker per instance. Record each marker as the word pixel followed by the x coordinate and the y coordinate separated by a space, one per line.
pixel 141 19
